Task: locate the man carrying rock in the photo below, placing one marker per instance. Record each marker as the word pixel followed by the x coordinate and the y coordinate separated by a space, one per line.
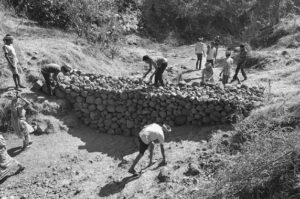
pixel 160 64
pixel 148 135
pixel 241 64
pixel 53 70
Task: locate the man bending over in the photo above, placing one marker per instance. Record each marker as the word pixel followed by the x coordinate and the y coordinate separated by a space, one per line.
pixel 148 135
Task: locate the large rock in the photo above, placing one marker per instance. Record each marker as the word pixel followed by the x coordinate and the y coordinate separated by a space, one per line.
pixel 164 175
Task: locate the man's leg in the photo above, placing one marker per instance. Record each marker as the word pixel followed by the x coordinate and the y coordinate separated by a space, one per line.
pixel 237 70
pixel 200 59
pixel 197 62
pixel 48 83
pixel 157 76
pixel 151 149
pixel 142 148
pixel 18 79
pixel 243 72
pixel 163 68
pixel 136 160
pixel 15 77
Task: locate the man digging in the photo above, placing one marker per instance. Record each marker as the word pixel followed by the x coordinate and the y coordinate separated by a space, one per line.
pixel 148 135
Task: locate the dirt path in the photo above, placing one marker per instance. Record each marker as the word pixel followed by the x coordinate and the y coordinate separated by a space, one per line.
pixel 81 163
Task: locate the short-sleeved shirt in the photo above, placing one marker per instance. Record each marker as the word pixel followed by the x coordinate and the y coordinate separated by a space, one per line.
pixel 199 49
pixel 211 54
pixel 228 66
pixel 151 133
pixel 51 68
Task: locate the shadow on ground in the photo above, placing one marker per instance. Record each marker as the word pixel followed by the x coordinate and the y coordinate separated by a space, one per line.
pixel 13 152
pixel 116 186
pixel 118 146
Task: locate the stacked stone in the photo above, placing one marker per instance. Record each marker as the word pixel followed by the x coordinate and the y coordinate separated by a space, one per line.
pixel 124 105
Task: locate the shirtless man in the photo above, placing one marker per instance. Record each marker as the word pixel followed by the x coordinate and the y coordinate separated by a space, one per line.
pixel 53 70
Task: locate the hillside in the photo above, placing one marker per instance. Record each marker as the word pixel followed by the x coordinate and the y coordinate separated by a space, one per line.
pixel 249 159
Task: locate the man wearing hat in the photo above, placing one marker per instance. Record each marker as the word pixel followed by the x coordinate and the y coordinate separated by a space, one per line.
pixel 53 70
pixel 148 135
pixel 200 52
pixel 11 57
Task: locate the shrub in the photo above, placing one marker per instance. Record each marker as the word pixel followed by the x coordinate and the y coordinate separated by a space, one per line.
pixel 266 162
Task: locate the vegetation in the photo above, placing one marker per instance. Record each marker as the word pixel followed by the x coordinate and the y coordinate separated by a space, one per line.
pixel 265 155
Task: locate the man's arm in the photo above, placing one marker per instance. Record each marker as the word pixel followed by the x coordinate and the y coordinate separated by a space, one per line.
pixel 150 68
pixel 56 78
pixel 163 154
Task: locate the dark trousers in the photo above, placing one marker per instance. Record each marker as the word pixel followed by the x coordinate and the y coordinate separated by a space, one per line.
pixel 159 73
pixel 211 61
pixel 199 61
pixel 48 82
pixel 240 66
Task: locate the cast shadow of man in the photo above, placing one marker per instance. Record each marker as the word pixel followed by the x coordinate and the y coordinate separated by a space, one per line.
pixel 116 186
pixel 13 152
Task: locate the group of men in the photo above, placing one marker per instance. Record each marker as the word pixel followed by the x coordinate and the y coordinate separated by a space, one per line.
pixel 150 133
pixel 211 57
pixel 49 71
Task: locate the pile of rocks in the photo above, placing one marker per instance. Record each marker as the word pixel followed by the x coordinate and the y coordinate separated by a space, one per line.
pixel 123 105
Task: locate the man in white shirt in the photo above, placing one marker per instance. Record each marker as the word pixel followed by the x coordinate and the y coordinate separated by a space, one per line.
pixel 211 51
pixel 226 71
pixel 199 50
pixel 148 135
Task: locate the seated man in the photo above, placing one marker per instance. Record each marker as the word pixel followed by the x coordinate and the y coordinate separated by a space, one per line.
pixel 53 70
pixel 207 74
pixel 149 134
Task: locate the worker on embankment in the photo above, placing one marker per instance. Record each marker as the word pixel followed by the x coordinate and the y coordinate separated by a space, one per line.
pixel 160 64
pixel 52 70
pixel 241 64
pixel 11 57
pixel 147 136
pixel 18 120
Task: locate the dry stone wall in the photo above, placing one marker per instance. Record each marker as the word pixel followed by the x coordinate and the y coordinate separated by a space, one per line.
pixel 124 105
